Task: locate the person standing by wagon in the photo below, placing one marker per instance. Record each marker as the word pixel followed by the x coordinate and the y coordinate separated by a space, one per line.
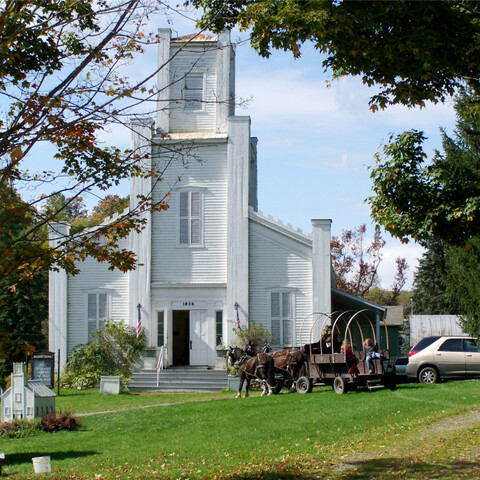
pixel 370 353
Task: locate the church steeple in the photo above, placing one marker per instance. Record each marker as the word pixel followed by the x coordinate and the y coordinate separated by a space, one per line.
pixel 196 83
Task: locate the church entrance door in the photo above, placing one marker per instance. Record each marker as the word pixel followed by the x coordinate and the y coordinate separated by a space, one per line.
pixel 198 337
pixel 190 345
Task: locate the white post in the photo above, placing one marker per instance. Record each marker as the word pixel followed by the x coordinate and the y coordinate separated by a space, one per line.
pixel 237 223
pixel 57 297
pixel 140 243
pixel 321 268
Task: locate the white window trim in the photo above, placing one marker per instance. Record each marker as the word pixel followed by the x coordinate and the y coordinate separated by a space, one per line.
pixel 204 84
pixel 96 291
pixel 201 191
pixel 282 290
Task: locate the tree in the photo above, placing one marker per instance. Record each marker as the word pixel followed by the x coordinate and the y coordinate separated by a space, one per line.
pixel 356 264
pixel 23 309
pixel 114 352
pixel 463 284
pixel 440 199
pixel 430 282
pixel 414 51
pixel 61 83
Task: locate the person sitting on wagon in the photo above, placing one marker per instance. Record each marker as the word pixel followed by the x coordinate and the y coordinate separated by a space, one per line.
pixel 350 358
pixel 370 353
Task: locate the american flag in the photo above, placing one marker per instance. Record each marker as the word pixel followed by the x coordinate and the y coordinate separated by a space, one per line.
pixel 139 321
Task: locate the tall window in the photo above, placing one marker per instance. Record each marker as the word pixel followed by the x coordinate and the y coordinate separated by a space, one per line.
pixel 281 318
pixel 218 328
pixel 193 91
pixel 97 312
pixel 160 328
pixel 190 218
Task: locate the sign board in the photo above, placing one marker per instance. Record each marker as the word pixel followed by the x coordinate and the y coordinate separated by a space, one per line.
pixel 43 364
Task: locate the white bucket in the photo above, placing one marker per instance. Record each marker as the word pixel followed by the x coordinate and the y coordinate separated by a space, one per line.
pixel 41 464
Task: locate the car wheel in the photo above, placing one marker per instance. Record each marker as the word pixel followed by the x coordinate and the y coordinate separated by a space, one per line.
pixel 428 375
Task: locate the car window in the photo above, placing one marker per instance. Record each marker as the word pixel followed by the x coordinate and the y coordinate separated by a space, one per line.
pixel 401 361
pixel 452 345
pixel 471 345
pixel 424 343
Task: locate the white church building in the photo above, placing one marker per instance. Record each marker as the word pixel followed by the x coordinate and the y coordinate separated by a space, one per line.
pixel 212 258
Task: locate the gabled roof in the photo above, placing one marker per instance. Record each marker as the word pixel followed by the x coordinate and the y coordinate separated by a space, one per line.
pixel 40 389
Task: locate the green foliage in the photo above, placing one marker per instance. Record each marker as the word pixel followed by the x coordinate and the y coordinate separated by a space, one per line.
pixel 23 305
pixel 463 284
pixel 254 334
pixel 20 428
pixel 115 352
pixel 430 283
pixel 440 199
pixel 414 51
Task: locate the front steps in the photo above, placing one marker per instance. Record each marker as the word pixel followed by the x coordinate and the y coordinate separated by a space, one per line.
pixel 179 379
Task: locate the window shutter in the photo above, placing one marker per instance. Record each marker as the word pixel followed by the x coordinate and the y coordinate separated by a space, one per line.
pixel 193 93
pixel 195 240
pixel 286 305
pixel 102 306
pixel 92 306
pixel 275 304
pixel 184 230
pixel 275 317
pixel 195 211
pixel 184 204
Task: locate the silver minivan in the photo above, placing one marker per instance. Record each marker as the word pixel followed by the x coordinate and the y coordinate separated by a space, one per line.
pixel 442 357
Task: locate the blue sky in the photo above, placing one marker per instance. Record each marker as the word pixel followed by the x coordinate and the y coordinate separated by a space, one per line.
pixel 316 141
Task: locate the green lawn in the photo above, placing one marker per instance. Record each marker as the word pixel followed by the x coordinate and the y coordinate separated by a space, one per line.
pixel 415 432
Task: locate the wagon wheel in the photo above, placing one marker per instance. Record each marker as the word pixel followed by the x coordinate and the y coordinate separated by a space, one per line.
pixel 304 385
pixel 340 385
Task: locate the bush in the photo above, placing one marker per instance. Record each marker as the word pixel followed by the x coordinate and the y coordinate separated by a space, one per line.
pixel 254 334
pixel 20 428
pixel 115 352
pixel 52 422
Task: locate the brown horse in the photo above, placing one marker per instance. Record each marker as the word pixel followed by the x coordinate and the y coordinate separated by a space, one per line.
pixel 288 364
pixel 259 366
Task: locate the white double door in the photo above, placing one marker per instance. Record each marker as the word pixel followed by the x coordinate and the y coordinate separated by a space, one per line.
pixel 198 337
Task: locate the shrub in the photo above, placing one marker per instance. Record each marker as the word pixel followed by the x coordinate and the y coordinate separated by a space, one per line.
pixel 115 352
pixel 52 422
pixel 254 334
pixel 20 428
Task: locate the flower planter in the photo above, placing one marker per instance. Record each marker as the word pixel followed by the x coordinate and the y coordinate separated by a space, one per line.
pixel 221 352
pixel 233 382
pixel 111 384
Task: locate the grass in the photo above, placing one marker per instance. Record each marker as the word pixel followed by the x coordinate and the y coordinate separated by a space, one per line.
pixel 381 435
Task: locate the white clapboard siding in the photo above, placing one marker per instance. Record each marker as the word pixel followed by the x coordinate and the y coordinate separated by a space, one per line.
pixel 193 59
pixel 279 261
pixel 95 275
pixel 175 263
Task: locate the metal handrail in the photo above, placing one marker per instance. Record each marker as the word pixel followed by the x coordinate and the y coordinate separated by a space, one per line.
pixel 160 364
